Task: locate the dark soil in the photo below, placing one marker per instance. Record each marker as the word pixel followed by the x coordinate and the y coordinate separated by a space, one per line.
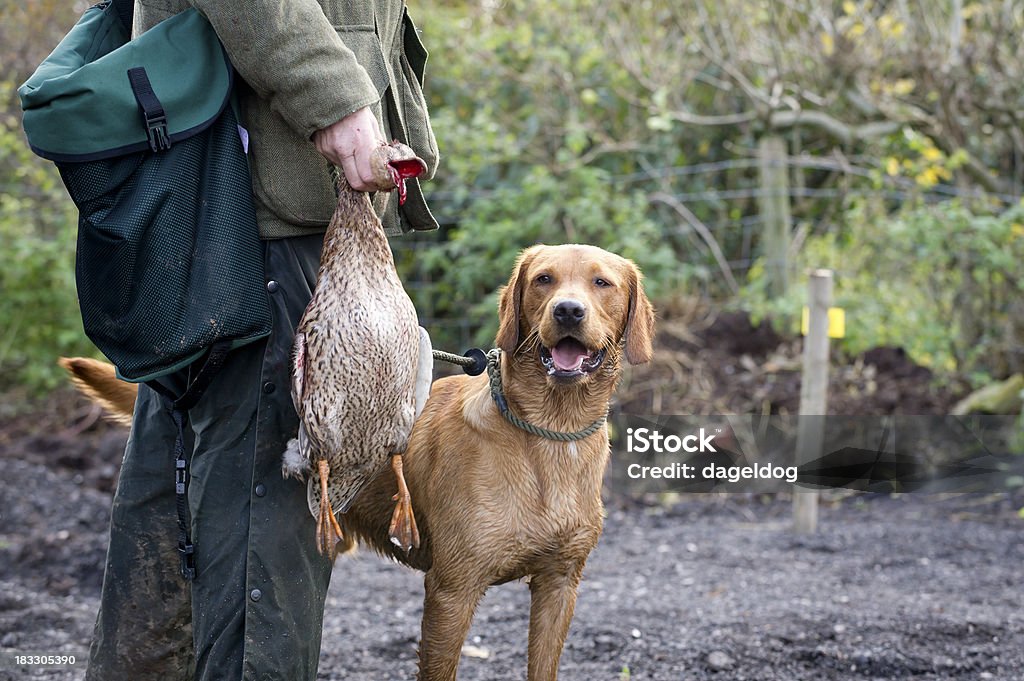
pixel 711 587
pixel 722 364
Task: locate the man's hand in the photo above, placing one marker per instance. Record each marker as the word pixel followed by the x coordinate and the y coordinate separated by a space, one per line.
pixel 348 144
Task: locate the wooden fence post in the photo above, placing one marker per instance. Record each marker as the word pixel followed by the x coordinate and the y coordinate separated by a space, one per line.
pixel 813 394
pixel 773 202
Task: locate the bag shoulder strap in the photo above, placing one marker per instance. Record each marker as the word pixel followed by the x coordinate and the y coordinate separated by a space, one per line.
pixel 179 405
pixel 125 11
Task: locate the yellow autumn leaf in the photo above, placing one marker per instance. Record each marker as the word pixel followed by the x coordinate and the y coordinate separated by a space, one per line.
pixel 927 178
pixel 828 44
pixel 1017 230
pixel 969 11
pixel 931 153
pixel 903 86
pixel 892 166
pixel 849 7
pixel 890 27
pixel 857 30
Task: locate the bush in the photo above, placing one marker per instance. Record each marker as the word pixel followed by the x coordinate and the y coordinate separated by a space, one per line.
pixel 578 207
pixel 533 136
pixel 38 308
pixel 941 281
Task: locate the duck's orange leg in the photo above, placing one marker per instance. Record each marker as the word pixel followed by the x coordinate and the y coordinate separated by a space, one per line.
pixel 328 531
pixel 403 531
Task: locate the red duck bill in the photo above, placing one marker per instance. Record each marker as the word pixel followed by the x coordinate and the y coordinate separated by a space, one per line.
pixel 570 358
pixel 404 169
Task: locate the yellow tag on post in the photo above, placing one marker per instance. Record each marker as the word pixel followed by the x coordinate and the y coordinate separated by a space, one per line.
pixel 836 322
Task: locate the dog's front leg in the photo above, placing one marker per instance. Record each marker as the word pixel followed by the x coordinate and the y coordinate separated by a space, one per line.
pixel 552 601
pixel 448 607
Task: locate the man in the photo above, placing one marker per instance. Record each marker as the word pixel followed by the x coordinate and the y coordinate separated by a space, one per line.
pixel 322 80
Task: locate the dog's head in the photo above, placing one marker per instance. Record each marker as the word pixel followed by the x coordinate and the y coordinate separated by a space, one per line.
pixel 575 309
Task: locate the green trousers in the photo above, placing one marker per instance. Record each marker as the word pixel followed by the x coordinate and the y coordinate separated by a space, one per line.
pixel 255 608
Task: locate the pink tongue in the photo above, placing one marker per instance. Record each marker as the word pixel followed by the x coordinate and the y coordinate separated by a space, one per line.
pixel 568 355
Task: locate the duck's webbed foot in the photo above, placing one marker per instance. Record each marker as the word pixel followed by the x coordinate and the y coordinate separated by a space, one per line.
pixel 403 531
pixel 328 532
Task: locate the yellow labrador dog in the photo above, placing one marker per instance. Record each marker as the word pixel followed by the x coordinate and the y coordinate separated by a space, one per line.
pixel 494 502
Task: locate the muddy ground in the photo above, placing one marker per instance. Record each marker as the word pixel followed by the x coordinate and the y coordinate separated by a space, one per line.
pixel 709 587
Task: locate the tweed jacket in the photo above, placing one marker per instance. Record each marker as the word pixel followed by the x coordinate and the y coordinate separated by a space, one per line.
pixel 308 64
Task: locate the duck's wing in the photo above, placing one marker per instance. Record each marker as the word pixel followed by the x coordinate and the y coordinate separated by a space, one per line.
pixel 424 370
pixel 298 371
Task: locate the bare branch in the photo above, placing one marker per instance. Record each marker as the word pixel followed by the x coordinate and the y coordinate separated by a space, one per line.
pixel 723 119
pixel 694 222
pixel 843 132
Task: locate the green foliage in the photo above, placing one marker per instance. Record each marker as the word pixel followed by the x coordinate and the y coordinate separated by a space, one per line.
pixel 39 318
pixel 940 281
pixel 28 32
pixel 579 206
pixel 558 119
pixel 528 125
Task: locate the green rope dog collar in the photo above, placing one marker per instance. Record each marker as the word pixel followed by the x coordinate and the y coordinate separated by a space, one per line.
pixel 498 395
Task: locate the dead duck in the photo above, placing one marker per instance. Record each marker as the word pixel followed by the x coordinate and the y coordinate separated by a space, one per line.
pixel 361 365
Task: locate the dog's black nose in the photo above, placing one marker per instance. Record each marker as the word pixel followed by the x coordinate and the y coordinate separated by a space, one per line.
pixel 570 312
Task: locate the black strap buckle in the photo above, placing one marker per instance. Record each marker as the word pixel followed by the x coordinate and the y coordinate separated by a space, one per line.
pixel 187 551
pixel 180 471
pixel 156 132
pixel 153 114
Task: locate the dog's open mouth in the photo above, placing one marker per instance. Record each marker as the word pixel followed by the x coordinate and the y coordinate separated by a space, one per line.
pixel 569 358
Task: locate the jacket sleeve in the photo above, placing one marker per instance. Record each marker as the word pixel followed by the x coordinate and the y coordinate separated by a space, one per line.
pixel 292 56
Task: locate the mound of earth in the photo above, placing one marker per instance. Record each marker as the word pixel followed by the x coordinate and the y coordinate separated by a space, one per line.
pixel 724 364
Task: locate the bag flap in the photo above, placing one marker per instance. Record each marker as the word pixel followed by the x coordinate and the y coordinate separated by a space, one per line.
pixel 79 104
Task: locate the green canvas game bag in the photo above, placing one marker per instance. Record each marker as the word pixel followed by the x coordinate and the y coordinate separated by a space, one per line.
pixel 144 133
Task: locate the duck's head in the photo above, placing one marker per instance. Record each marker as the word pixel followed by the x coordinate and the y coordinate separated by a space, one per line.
pixel 395 163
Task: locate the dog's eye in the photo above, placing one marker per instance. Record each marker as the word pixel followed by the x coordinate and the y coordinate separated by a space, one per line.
pixel 601 283
pixel 543 279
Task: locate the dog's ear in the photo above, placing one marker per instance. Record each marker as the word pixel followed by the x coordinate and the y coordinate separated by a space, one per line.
pixel 639 333
pixel 511 297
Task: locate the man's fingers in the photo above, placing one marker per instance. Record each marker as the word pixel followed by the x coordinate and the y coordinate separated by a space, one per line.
pixel 348 144
pixel 351 170
pixel 359 173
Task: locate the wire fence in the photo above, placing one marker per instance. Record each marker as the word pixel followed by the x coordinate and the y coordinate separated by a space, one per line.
pixel 853 178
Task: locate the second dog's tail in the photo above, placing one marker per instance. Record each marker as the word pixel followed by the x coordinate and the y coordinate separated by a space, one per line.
pixel 99 382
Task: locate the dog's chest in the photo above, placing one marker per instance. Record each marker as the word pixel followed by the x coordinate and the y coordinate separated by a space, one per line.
pixel 549 506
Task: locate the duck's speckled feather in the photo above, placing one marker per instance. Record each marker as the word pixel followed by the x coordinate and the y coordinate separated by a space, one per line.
pixel 357 354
